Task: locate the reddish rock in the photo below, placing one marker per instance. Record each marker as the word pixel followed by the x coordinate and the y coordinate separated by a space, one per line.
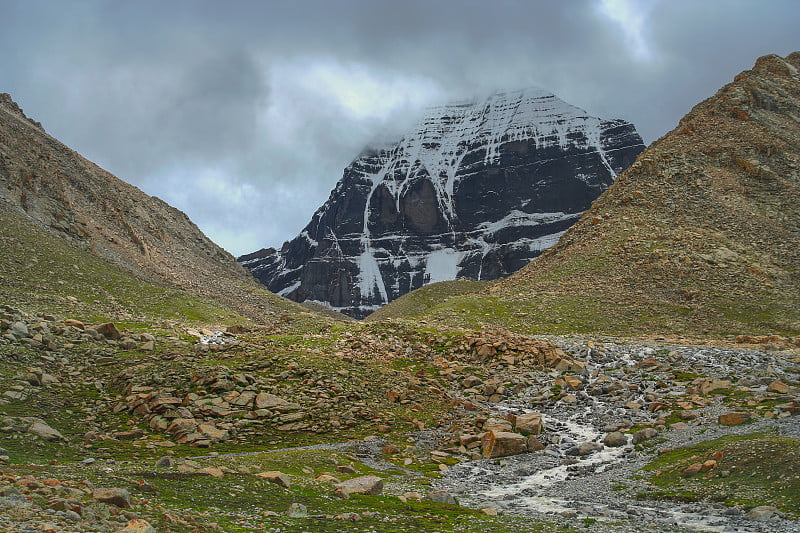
pixel 503 444
pixel 779 387
pixel 735 418
pixel 529 424
pixel 279 478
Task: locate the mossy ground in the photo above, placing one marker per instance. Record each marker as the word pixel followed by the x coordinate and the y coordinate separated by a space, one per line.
pixel 753 469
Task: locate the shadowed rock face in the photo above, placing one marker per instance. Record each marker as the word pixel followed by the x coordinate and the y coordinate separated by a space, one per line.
pixel 477 189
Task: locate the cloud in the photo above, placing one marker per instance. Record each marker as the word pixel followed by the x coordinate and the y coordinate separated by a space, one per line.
pixel 244 115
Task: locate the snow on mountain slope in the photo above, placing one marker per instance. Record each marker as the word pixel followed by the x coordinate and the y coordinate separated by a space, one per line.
pixel 477 190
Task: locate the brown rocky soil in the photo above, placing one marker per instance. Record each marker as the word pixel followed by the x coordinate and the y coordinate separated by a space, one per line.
pixel 60 190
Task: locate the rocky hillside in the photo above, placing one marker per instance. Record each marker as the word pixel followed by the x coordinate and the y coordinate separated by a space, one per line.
pixel 49 184
pixel 701 234
pixel 476 190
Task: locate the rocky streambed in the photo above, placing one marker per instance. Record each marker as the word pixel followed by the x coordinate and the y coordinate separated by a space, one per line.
pixel 587 473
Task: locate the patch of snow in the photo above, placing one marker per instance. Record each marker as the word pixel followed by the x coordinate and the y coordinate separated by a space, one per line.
pixel 518 218
pixel 442 265
pixel 290 288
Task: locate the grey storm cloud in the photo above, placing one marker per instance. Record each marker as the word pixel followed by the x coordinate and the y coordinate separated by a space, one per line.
pixel 244 114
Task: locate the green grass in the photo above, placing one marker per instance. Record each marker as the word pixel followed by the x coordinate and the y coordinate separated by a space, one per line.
pixel 42 272
pixel 420 301
pixel 762 468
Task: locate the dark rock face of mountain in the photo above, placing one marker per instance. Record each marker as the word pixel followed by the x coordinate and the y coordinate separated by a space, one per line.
pixel 477 190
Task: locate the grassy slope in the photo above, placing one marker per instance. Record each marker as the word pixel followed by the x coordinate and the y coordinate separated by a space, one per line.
pixel 700 235
pixel 42 272
pixel 420 301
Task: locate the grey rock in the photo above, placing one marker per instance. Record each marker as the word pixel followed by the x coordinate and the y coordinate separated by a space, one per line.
pixel 762 513
pixel 584 448
pixel 41 429
pixel 442 496
pixel 615 439
pixel 19 329
pixel 297 510
pixel 643 435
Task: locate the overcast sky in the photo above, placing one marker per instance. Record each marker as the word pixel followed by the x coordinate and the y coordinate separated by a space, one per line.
pixel 243 113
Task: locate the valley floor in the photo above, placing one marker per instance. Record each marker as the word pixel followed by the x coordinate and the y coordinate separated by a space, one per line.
pixel 310 424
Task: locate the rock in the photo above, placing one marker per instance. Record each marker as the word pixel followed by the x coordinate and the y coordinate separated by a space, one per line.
pixel 128 435
pixel 165 462
pixel 762 513
pixel 346 469
pixel 585 448
pixel 297 510
pixel 109 331
pixel 279 478
pixel 265 400
pixel 708 465
pixel 497 424
pixel 692 469
pixel 213 433
pixel 148 346
pixel 213 471
pixel 370 485
pixel 534 444
pixel 137 525
pixel 70 322
pixel 529 424
pixel 19 329
pixel 113 496
pixel 442 496
pixel 502 444
pixel 327 478
pixel 643 435
pixel 390 449
pixel 471 381
pixel 128 344
pixel 778 387
pixel 615 439
pixel 41 429
pixel 735 418
pixel 710 385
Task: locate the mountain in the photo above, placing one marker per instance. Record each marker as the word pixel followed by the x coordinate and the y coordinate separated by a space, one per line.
pixel 701 234
pixel 477 189
pixel 53 186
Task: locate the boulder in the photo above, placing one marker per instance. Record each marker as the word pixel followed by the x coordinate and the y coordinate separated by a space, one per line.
pixel 297 510
pixel 41 429
pixel 734 418
pixel 778 387
pixel 265 400
pixel 762 513
pixel 370 485
pixel 497 424
pixel 279 478
pixel 529 424
pixel 615 439
pixel 585 448
pixel 137 525
pixel 502 444
pixel 442 496
pixel 109 331
pixel 112 496
pixel 643 435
